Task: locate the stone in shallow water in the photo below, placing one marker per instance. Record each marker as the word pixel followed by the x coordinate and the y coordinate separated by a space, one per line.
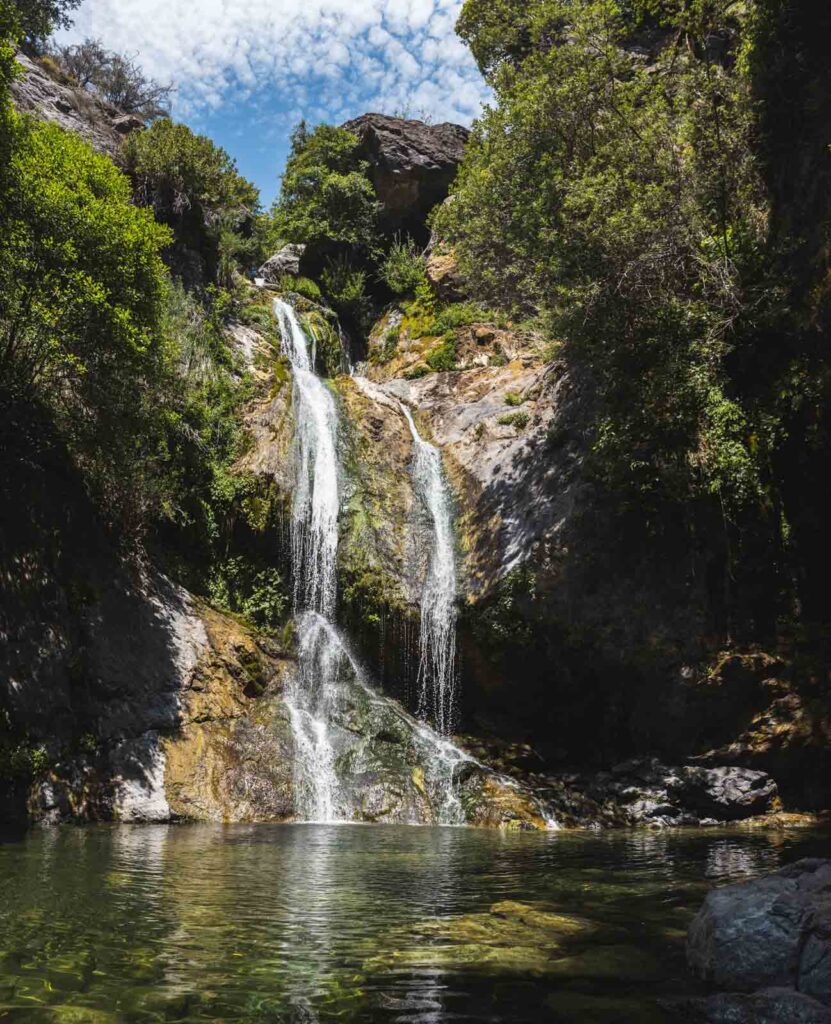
pixel 772 931
pixel 771 1006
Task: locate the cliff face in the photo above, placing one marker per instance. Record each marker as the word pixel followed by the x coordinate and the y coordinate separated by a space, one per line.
pixel 412 165
pixel 40 90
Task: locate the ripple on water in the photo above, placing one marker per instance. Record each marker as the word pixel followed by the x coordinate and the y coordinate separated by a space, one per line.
pixel 353 923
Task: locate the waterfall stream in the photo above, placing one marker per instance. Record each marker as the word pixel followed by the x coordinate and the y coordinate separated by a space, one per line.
pixel 314 547
pixel 437 637
pixel 342 728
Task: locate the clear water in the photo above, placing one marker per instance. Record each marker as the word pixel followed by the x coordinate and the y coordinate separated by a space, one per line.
pixel 304 923
pixel 437 639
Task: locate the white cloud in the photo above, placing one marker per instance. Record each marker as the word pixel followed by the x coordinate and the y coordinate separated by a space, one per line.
pixel 317 58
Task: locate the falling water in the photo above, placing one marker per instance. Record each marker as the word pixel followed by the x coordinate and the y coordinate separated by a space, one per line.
pixel 437 639
pixel 329 685
pixel 314 545
pixel 314 517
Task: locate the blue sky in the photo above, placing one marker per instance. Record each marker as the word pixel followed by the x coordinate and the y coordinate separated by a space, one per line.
pixel 247 70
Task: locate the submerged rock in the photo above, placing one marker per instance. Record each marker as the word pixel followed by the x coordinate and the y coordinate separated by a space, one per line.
pixel 771 1006
pixel 772 932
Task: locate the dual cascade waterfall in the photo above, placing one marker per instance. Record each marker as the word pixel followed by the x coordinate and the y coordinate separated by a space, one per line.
pixel 320 691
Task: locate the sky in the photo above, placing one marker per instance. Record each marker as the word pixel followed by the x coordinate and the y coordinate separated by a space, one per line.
pixel 246 71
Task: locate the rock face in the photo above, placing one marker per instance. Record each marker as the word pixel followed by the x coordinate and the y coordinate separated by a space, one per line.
pixel 286 261
pixel 770 933
pixel 412 165
pixel 726 794
pixel 39 91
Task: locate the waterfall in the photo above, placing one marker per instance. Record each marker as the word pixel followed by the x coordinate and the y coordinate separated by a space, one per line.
pixel 314 546
pixel 314 515
pixel 437 638
pixel 339 723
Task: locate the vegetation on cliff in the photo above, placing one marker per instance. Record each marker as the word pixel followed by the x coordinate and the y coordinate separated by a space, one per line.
pixel 621 186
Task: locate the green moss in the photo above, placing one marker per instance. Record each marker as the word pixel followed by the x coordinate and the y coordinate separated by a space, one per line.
pixel 514 419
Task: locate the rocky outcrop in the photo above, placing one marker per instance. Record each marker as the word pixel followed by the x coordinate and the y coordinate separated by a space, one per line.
pixel 286 261
pixel 412 165
pixel 41 90
pixel 763 937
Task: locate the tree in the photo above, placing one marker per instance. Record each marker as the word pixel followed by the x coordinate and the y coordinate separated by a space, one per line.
pixel 38 19
pixel 81 296
pixel 613 190
pixel 116 78
pixel 325 192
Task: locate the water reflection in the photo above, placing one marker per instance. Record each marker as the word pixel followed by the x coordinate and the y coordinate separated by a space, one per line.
pixel 317 923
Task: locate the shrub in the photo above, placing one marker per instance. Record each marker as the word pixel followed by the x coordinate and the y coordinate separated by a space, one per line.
pixel 514 419
pixel 402 270
pixel 304 286
pixel 511 398
pixel 443 356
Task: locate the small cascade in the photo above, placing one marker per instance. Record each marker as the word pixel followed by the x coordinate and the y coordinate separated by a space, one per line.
pixel 437 639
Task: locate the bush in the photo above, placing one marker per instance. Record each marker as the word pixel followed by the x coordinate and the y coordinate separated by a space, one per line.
pixel 300 286
pixel 443 356
pixel 344 286
pixel 402 270
pixel 514 419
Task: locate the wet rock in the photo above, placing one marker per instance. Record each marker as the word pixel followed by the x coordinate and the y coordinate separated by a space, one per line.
pixel 286 261
pixel 771 932
pixel 412 165
pixel 726 794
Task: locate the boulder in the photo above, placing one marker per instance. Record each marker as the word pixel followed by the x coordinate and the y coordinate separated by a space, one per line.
pixel 726 794
pixel 286 261
pixel 770 932
pixel 444 276
pixel 412 165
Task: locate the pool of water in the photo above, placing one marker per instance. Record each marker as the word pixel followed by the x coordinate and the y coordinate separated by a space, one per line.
pixel 307 923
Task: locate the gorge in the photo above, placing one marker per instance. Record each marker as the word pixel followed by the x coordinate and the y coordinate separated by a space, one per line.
pixel 413 594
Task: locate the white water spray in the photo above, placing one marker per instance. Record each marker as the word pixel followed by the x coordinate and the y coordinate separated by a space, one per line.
pixel 314 516
pixel 437 638
pixel 314 545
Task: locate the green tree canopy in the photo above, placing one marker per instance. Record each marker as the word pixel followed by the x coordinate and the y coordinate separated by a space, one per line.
pixel 325 192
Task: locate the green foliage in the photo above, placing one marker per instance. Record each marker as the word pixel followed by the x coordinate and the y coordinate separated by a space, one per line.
pixel 174 169
pixel 443 356
pixel 300 286
pixel 619 198
pixel 513 399
pixel 402 269
pixel 82 294
pixel 514 419
pixel 329 355
pixel 259 595
pixel 325 192
pixel 38 19
pixel 417 372
pixel 643 208
pixel 344 285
